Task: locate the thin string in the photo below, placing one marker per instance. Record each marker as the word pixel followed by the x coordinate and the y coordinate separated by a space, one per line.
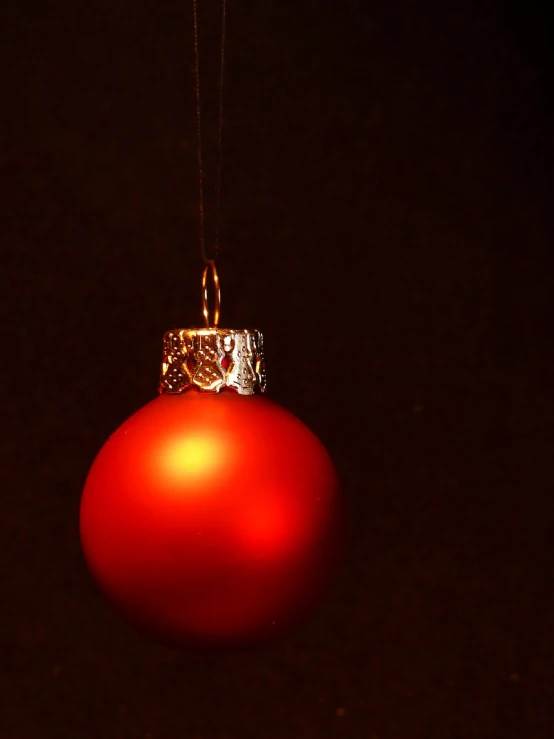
pixel 218 177
pixel 199 134
pixel 220 127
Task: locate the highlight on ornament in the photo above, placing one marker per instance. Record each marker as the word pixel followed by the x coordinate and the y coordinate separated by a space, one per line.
pixel 212 516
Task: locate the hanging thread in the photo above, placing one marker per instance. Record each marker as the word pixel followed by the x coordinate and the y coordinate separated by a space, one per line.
pixel 201 175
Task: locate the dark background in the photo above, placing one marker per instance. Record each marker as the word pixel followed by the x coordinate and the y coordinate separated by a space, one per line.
pixel 386 208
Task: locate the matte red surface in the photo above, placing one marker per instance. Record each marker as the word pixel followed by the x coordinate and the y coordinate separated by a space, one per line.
pixel 211 519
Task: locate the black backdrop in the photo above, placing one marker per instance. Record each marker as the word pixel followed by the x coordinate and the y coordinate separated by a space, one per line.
pixel 386 223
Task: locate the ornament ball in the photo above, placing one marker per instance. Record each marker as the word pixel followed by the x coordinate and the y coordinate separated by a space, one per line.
pixel 212 519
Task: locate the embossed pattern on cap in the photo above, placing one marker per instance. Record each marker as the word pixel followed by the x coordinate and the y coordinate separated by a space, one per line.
pixel 213 359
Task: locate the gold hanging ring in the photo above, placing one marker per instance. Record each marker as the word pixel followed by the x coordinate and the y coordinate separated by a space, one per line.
pixel 210 268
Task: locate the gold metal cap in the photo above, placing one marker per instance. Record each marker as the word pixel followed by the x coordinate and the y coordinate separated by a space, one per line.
pixel 212 359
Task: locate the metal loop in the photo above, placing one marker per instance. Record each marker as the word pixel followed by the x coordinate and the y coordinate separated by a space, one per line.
pixel 210 266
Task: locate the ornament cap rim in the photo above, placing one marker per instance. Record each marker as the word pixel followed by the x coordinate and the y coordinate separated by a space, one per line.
pixel 213 330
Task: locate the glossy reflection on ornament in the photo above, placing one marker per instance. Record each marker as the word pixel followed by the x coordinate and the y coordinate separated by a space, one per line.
pixel 189 457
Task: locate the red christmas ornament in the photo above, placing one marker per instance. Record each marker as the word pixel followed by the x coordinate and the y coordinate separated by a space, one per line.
pixel 212 517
